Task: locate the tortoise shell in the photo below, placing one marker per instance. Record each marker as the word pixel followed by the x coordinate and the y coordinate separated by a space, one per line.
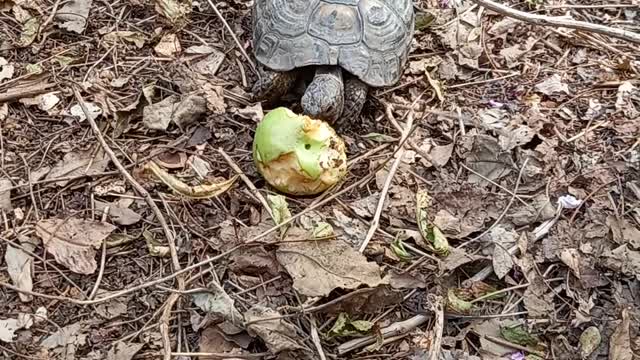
pixel 368 38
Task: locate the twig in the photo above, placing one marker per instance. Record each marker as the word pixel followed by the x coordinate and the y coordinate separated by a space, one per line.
pixel 27 91
pixel 149 200
pixel 395 329
pixel 585 131
pixel 233 35
pixel 316 341
pixel 103 259
pixel 438 327
pixel 383 194
pixel 543 20
pixel 247 181
pixel 495 223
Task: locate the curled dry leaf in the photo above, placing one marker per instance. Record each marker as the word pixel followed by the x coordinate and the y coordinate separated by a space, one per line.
pixel 176 11
pixel 620 344
pixel 66 340
pixel 278 334
pixel 318 267
pixel 154 246
pixel 73 242
pixel 218 303
pixel 73 15
pixel 193 192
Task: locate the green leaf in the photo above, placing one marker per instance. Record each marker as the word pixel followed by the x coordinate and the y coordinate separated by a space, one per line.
pixel 397 246
pixel 456 304
pixel 519 335
pixel 322 230
pixel 29 31
pixel 345 327
pixel 34 69
pixel 436 240
pixel 423 20
pixel 279 208
pixel 589 341
pixel 64 60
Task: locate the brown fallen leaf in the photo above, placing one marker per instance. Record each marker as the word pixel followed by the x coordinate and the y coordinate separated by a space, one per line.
pixel 168 46
pixel 277 334
pixel 73 242
pixel 212 340
pixel 123 351
pixel 64 342
pixel 118 214
pixel 620 344
pixel 318 267
pixel 458 257
pixel 177 11
pixel 115 37
pixel 79 163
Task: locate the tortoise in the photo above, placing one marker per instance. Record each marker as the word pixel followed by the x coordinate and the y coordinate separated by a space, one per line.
pixel 346 46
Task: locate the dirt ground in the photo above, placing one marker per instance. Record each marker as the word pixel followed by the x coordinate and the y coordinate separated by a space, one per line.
pixel 497 185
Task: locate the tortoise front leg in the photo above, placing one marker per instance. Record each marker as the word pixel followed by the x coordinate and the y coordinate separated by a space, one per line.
pixel 273 85
pixel 324 97
pixel 355 95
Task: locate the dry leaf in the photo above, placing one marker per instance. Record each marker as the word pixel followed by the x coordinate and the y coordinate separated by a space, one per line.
pixel 253 112
pixel 318 267
pixel 93 110
pixel 79 163
pixel 487 159
pixel 110 309
pixel 66 340
pixel 215 98
pixel 571 258
pixel 620 344
pixel 277 334
pixel 553 85
pixel 73 242
pixel 212 340
pixel 218 303
pixel 133 37
pixel 8 327
pixel 168 46
pixel 492 328
pixel 210 65
pixel 5 195
pixel 503 239
pixel 19 266
pixel 176 11
pixel 6 70
pixel 73 15
pixel 123 351
pixel 119 215
pixel 458 257
pixel 205 191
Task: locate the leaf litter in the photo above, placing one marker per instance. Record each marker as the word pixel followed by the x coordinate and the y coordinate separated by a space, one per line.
pixel 564 100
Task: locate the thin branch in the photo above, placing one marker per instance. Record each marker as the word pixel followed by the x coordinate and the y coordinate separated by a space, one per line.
pixel 156 210
pixel 375 223
pixel 543 20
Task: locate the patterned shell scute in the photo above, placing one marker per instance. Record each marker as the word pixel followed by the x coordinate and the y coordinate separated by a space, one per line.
pixel 368 38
